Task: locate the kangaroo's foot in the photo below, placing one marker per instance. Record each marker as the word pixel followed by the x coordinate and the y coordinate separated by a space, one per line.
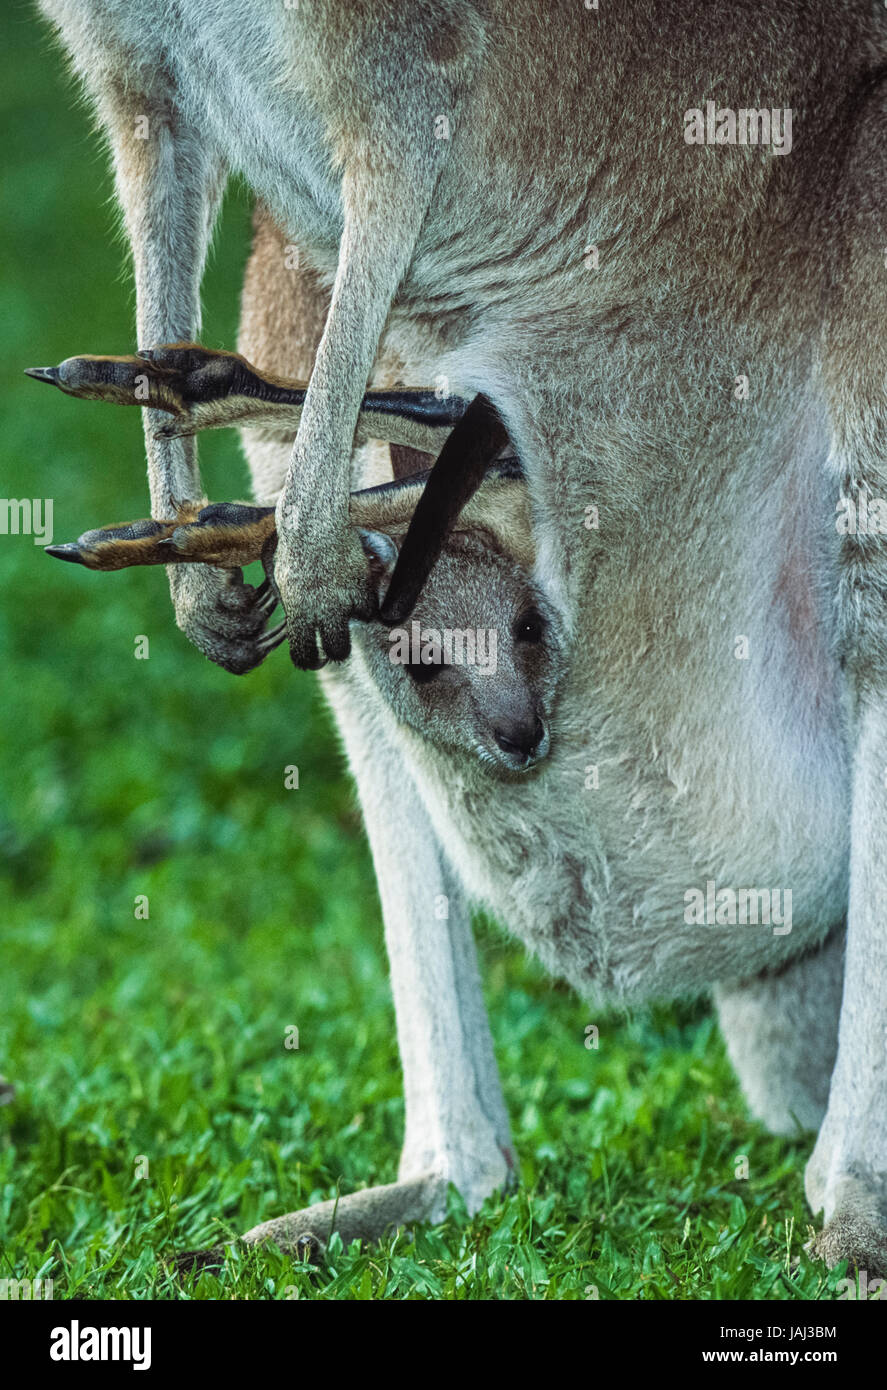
pixel 852 1236
pixel 366 1215
pixel 855 1228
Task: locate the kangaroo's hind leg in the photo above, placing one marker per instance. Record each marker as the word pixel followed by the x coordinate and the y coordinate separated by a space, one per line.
pixel 456 1124
pixel 847 1174
pixel 781 1032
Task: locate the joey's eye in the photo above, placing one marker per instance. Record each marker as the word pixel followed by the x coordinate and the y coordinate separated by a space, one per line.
pixel 422 672
pixel 529 627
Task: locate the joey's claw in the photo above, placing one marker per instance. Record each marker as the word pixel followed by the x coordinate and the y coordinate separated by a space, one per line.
pixel 47 374
pixel 322 593
pixel 180 429
pixel 69 551
pixel 273 638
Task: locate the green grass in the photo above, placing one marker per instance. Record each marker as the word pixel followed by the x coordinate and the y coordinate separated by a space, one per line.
pixel 165 1038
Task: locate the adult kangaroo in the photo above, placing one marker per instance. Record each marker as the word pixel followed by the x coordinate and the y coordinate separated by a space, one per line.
pixel 677 309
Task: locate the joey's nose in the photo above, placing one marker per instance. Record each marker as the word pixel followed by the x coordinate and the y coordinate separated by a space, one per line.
pixel 521 739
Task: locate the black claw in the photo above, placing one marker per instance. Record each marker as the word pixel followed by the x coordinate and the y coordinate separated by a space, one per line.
pixel 272 639
pixel 338 648
pixel 306 659
pixel 50 374
pixel 199 1260
pixel 69 551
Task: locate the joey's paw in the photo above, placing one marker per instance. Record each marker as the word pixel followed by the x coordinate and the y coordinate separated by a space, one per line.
pixel 224 617
pixel 323 588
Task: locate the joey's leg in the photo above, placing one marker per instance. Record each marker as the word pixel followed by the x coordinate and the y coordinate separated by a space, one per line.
pixel 199 388
pixel 456 1124
pixel 847 1173
pixel 203 389
pixel 781 1033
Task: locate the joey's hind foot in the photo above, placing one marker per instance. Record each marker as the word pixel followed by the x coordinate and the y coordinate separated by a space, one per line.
pixel 204 548
pixel 227 534
pixel 198 387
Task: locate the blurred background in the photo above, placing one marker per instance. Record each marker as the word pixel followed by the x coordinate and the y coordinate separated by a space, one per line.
pixel 164 778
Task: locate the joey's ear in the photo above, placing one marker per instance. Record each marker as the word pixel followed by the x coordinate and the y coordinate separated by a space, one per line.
pixel 500 510
pixel 381 552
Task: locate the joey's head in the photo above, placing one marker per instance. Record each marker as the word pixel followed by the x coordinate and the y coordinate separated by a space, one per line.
pixel 475 667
